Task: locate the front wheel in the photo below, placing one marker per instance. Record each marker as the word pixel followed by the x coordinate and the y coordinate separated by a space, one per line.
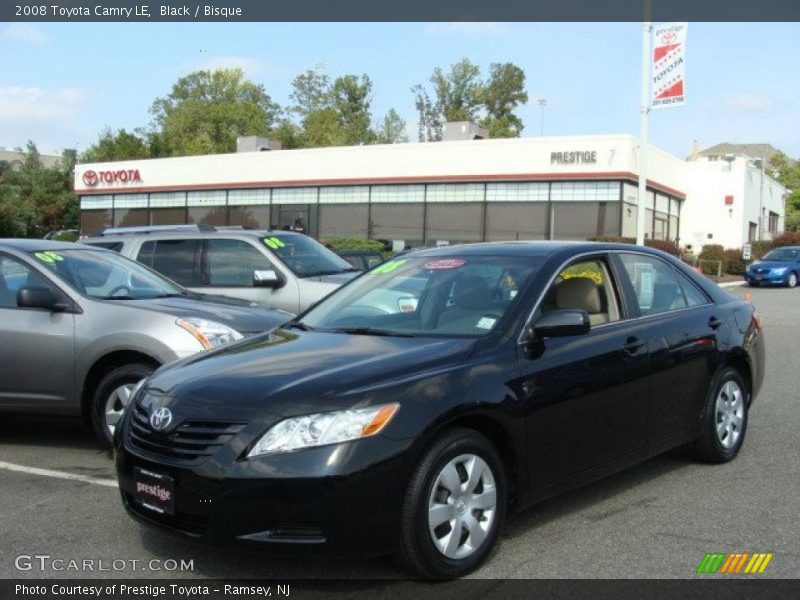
pixel 791 281
pixel 112 396
pixel 724 418
pixel 454 506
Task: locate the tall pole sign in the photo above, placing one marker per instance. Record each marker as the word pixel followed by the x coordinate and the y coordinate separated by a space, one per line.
pixel 663 86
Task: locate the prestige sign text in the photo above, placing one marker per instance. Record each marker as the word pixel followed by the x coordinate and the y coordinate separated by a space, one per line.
pixel 573 157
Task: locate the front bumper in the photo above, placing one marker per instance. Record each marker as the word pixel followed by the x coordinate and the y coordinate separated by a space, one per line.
pixel 766 278
pixel 342 499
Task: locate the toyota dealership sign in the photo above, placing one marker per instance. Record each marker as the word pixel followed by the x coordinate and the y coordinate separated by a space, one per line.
pixel 92 178
pixel 669 56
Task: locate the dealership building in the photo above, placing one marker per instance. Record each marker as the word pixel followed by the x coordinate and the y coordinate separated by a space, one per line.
pixel 411 194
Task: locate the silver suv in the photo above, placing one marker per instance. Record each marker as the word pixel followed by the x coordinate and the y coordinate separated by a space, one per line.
pixel 284 269
pixel 81 327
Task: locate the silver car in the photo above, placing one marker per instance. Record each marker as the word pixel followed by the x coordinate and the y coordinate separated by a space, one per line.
pixel 81 327
pixel 284 269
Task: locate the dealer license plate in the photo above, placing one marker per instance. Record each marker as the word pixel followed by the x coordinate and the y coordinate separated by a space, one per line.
pixel 154 491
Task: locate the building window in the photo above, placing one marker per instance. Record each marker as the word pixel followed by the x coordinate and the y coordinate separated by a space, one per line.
pixel 249 197
pixel 343 220
pixel 130 210
pixel 517 192
pixel 399 221
pixel 584 191
pixel 773 222
pixel 517 221
pixel 351 194
pixel 453 222
pixel 250 216
pixel 96 202
pixel 455 192
pixel 584 220
pixel 752 232
pixel 206 207
pixel 299 195
pixel 398 193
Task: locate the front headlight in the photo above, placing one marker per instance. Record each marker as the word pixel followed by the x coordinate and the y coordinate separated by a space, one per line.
pixel 324 428
pixel 209 333
pixel 780 271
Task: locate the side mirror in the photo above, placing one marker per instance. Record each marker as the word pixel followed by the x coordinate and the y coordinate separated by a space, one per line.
pixel 39 297
pixel 268 278
pixel 560 323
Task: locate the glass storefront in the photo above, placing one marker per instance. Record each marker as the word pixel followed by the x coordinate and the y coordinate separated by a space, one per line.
pixel 417 214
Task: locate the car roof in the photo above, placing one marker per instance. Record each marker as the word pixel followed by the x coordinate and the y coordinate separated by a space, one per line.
pixel 36 245
pixel 523 248
pixel 116 235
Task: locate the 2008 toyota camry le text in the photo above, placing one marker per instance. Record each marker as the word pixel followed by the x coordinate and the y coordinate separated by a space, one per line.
pixel 413 408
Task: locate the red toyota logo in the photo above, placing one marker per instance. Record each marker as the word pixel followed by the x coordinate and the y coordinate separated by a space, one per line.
pixel 669 38
pixel 90 178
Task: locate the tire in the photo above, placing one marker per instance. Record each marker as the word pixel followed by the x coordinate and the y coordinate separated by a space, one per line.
pixel 791 281
pixel 724 418
pixel 754 284
pixel 111 391
pixel 429 488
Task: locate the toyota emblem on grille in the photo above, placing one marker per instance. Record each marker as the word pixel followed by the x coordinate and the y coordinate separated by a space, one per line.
pixel 160 419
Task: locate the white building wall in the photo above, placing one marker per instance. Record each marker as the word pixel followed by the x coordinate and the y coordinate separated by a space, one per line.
pixel 707 219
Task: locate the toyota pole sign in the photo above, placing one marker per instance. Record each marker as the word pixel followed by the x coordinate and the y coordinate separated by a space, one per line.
pixel 669 56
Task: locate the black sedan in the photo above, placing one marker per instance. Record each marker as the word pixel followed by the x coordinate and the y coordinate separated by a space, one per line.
pixel 519 371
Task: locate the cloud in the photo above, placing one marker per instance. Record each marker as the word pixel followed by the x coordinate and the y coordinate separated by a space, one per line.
pixel 748 102
pixel 22 32
pixel 19 103
pixel 469 28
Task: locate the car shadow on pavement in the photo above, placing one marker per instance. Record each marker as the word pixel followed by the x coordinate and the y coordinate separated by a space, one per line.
pixel 48 432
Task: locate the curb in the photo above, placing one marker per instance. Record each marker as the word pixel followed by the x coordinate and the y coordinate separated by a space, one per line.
pixel 731 284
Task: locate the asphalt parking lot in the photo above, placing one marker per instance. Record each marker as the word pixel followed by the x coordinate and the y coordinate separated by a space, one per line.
pixel 656 520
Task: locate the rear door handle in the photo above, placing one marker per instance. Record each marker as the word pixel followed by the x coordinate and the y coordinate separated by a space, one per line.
pixel 714 322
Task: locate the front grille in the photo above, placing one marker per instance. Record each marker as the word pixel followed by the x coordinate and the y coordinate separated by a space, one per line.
pixel 191 524
pixel 192 441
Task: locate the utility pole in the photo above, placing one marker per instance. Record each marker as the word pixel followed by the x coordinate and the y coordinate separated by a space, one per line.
pixel 645 109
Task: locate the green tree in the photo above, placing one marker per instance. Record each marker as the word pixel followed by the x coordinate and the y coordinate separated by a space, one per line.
pixel 392 130
pixel 430 120
pixel 35 199
pixel 310 91
pixel 119 145
pixel 351 100
pixel 207 110
pixel 501 96
pixel 789 175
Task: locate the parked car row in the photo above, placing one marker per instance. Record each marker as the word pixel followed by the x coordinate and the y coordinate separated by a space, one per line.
pixel 406 410
pixel 780 266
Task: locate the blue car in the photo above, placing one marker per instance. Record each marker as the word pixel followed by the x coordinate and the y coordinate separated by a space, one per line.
pixel 779 266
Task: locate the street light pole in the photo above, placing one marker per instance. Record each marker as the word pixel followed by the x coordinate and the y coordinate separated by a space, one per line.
pixel 644 110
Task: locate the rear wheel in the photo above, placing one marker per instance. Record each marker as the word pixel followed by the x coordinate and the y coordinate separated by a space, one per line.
pixel 724 419
pixel 112 396
pixel 454 506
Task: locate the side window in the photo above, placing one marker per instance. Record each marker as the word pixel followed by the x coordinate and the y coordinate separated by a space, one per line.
pixel 177 259
pixel 14 275
pixel 655 284
pixel 694 297
pixel 585 285
pixel 232 263
pixel 113 246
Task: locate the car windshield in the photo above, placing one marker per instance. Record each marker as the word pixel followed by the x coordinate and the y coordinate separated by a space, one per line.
pixel 781 255
pixel 453 296
pixel 105 275
pixel 306 257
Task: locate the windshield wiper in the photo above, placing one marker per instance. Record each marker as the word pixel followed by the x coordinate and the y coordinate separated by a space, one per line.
pixel 299 325
pixel 323 273
pixel 370 331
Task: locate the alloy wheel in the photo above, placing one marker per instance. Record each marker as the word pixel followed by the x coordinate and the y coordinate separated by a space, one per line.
pixel 462 506
pixel 116 403
pixel 729 414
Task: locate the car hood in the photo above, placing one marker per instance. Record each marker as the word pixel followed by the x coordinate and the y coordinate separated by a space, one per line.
pixel 336 279
pixel 295 372
pixel 243 316
pixel 771 264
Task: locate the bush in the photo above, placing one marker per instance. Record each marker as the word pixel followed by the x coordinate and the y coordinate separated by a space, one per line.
pixel 734 263
pixel 759 249
pixel 667 246
pixel 715 253
pixel 350 243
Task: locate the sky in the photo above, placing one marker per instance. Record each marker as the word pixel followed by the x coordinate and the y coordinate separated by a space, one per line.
pixel 62 83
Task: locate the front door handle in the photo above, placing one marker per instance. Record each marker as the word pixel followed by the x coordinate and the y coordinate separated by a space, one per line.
pixel 632 346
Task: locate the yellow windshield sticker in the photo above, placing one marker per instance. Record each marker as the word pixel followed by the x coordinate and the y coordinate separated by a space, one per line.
pixel 388 267
pixel 49 257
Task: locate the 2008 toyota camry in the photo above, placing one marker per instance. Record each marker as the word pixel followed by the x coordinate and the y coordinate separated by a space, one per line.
pixel 412 409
